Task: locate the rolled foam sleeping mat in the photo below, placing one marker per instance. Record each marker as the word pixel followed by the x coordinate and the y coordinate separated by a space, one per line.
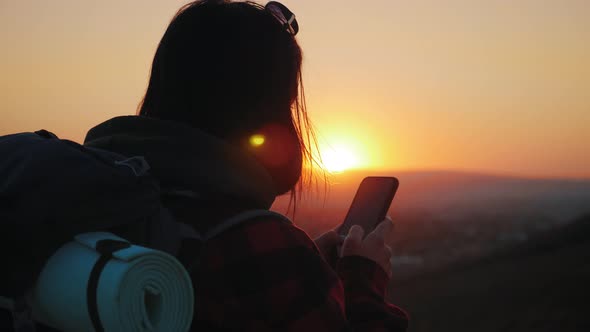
pixel 139 289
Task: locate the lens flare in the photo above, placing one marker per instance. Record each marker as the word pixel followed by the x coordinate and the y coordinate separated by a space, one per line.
pixel 257 140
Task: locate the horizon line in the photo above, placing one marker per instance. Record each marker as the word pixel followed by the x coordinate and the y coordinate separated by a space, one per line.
pixel 478 172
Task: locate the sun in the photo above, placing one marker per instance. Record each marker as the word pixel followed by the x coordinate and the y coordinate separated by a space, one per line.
pixel 338 158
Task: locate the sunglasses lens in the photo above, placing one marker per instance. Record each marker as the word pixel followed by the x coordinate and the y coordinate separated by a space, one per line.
pixel 284 15
pixel 294 26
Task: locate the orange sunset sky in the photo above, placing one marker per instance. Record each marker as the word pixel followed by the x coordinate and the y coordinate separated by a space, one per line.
pixel 485 85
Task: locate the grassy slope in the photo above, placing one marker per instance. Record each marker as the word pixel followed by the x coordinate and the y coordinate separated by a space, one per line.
pixel 543 285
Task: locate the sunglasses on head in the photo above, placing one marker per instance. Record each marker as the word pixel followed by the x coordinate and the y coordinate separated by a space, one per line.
pixel 284 16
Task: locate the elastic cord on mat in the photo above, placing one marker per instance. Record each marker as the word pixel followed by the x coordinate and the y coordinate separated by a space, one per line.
pixel 106 248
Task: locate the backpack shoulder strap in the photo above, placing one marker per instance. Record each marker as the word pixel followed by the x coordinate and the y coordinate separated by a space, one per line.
pixel 241 218
pixel 187 231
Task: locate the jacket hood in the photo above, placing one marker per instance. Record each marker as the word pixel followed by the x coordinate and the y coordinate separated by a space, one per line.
pixel 185 159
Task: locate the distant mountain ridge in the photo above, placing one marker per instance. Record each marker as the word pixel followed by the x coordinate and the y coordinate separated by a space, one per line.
pixel 441 192
pixel 443 217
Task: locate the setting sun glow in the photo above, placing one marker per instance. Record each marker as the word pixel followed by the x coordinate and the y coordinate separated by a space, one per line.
pixel 413 85
pixel 338 158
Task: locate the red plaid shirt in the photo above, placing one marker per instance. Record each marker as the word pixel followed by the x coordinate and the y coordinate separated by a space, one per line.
pixel 268 275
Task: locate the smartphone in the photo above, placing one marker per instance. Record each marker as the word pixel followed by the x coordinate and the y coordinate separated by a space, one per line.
pixel 370 203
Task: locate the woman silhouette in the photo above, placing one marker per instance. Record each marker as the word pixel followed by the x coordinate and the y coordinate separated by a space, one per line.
pixel 224 128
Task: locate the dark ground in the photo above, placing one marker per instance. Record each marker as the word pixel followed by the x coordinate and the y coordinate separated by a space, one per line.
pixel 541 285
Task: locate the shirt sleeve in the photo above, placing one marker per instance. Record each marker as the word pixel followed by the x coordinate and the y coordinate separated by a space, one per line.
pixel 292 288
pixel 365 285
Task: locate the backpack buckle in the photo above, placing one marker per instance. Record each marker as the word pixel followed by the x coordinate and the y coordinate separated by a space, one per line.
pixel 138 165
pixel 22 316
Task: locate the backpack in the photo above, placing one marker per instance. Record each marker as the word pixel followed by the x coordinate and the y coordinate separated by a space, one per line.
pixel 53 189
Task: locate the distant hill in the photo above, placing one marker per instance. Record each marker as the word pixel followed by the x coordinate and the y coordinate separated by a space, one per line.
pixel 541 285
pixel 444 217
pixel 442 192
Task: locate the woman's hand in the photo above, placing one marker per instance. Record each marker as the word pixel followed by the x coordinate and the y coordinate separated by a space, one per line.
pixel 328 243
pixel 372 247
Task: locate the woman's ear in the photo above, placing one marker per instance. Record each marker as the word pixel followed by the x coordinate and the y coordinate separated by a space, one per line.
pixel 278 149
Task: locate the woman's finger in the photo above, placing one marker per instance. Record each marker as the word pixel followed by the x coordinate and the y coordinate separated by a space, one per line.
pixel 388 269
pixel 377 237
pixel 384 228
pixel 356 232
pixel 329 239
pixel 353 240
pixel 388 251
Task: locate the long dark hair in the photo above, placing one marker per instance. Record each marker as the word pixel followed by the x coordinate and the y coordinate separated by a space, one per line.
pixel 232 70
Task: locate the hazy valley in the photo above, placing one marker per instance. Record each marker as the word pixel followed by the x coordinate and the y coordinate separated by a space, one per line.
pixel 468 245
